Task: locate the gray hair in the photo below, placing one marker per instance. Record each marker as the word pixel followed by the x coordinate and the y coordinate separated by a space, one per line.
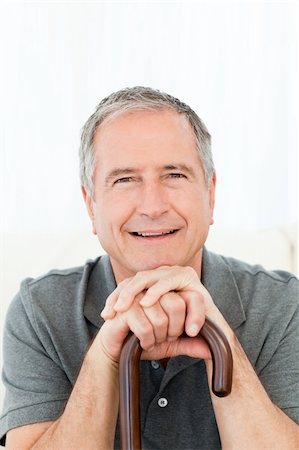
pixel 139 98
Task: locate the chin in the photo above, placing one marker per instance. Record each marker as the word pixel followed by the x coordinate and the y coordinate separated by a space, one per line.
pixel 154 264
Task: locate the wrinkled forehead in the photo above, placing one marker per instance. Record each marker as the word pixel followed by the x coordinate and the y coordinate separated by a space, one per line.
pixel 146 138
pixel 148 121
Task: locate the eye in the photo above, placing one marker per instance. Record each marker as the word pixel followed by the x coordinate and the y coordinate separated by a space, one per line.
pixel 177 175
pixel 123 180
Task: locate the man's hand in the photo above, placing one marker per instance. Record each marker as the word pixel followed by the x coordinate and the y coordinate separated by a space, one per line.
pixel 154 284
pixel 157 306
pixel 157 327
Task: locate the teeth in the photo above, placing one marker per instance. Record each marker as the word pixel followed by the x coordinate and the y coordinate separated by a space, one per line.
pixel 154 234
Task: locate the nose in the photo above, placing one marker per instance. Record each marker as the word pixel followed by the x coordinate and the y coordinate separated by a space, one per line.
pixel 153 200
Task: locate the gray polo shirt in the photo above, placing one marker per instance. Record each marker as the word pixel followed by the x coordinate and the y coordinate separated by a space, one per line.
pixel 52 320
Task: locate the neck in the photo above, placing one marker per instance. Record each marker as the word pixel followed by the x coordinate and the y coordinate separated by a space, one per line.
pixel 122 273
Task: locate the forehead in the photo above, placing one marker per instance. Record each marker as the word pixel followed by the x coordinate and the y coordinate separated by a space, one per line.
pixel 145 134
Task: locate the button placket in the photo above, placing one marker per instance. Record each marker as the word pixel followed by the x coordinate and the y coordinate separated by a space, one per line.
pixel 155 364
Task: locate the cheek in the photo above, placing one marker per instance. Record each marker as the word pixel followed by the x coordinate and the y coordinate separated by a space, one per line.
pixel 196 210
pixel 191 203
pixel 112 212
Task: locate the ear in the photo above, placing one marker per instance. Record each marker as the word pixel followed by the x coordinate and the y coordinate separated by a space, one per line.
pixel 90 207
pixel 212 188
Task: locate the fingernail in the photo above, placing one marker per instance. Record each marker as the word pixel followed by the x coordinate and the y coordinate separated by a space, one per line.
pixel 145 301
pixel 107 313
pixel 193 330
pixel 117 307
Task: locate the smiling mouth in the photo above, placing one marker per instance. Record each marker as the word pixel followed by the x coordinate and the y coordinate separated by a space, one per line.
pixel 152 234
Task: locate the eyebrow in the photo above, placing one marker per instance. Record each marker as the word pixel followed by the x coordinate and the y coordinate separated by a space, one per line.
pixel 118 172
pixel 182 167
pixel 130 170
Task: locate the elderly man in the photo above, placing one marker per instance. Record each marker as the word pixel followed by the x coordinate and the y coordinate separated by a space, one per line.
pixel 148 182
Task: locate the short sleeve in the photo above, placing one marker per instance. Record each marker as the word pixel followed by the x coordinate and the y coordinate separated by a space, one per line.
pixel 281 374
pixel 36 386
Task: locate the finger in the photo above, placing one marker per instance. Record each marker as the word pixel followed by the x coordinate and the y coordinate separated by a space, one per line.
pixel 159 320
pixel 140 325
pixel 142 281
pixel 175 308
pixel 195 314
pixel 177 279
pixel 108 312
pixel 113 332
pixel 139 283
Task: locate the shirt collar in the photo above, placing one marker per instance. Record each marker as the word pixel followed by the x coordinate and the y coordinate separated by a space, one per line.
pixel 100 284
pixel 219 280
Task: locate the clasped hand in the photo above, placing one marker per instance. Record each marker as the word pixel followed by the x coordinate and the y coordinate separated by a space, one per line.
pixel 158 306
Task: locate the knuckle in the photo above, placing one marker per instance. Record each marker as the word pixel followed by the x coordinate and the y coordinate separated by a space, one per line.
pixel 123 283
pixel 145 330
pixel 161 321
pixel 173 302
pixel 146 340
pixel 166 300
pixel 181 308
pixel 195 298
pixel 190 271
pixel 140 275
pixel 178 308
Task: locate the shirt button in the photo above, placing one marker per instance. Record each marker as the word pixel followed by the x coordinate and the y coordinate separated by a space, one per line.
pixel 155 365
pixel 162 402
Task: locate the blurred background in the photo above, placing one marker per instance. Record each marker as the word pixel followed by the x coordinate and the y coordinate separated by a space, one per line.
pixel 234 62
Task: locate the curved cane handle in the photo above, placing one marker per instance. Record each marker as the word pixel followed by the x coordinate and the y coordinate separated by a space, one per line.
pixel 129 380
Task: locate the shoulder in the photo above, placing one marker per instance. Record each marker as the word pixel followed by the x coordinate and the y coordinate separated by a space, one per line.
pixel 57 286
pixel 252 277
pixel 257 289
pixel 54 293
pixel 247 276
pixel 271 295
pixel 63 298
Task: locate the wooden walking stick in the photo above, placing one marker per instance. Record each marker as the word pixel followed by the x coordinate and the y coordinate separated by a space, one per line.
pixel 129 380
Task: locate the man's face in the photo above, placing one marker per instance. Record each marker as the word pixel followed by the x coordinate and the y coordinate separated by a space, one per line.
pixel 151 206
